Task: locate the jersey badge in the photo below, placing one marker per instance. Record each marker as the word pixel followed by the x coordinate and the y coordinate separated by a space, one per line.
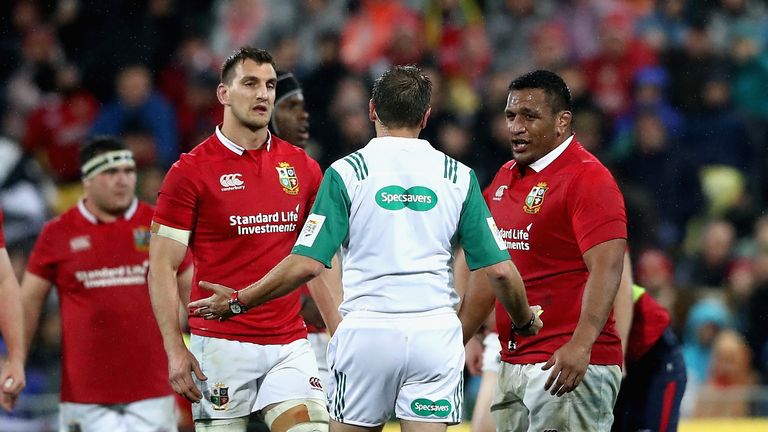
pixel 220 397
pixel 141 237
pixel 80 243
pixel 535 198
pixel 287 176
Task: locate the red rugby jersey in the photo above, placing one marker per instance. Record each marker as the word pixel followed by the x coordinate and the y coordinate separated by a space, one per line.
pixel 548 220
pixel 112 351
pixel 245 208
pixel 649 320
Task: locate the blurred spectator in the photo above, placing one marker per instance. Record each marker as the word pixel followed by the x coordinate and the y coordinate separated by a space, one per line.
pixel 23 193
pixel 609 73
pixel 691 66
pixel 655 270
pixel 455 33
pixel 138 104
pixel 734 18
pixel 726 391
pixel 713 257
pixel 319 17
pixel 590 123
pixel 249 22
pixel 57 128
pixel 369 31
pixel 705 321
pixel 665 27
pixel 660 184
pixel 511 26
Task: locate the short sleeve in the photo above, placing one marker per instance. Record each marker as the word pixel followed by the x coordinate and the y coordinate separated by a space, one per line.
pixel 177 200
pixel 43 261
pixel 478 234
pixel 597 208
pixel 328 222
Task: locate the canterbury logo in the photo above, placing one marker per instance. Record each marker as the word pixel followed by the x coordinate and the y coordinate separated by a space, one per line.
pixel 231 182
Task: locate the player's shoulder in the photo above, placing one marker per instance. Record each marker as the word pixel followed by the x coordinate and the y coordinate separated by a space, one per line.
pixel 582 163
pixel 209 150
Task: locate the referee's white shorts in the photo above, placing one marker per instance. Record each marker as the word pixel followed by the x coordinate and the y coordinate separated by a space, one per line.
pixel 412 362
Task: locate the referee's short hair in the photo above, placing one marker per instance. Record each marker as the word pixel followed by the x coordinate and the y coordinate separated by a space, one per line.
pixel 551 83
pixel 401 96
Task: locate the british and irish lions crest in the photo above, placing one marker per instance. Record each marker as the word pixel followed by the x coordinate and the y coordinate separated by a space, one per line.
pixel 287 176
pixel 219 396
pixel 535 198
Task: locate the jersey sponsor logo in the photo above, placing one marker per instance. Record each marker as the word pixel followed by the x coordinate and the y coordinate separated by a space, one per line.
pixel 535 198
pixel 231 182
pixel 287 176
pixel 516 238
pixel 426 408
pixel 416 198
pixel 266 223
pixel 80 243
pixel 220 397
pixel 499 193
pixel 107 277
pixel 141 236
pixel 311 229
pixel 495 231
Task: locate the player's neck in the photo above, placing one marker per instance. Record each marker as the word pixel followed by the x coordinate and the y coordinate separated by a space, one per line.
pixel 383 131
pixel 243 136
pixel 100 214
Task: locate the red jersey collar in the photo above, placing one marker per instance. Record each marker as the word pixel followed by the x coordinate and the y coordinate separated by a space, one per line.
pixel 234 148
pixel 90 217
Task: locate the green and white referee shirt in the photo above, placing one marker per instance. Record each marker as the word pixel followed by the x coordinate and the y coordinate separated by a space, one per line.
pixel 397 207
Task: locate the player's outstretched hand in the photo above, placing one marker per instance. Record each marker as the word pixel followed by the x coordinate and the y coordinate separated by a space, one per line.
pixel 181 365
pixel 12 381
pixel 569 364
pixel 215 306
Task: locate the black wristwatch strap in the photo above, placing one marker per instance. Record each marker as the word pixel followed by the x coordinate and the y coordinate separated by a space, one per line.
pixel 526 326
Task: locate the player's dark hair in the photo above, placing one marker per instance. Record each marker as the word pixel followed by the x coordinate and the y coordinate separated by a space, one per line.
pixel 98 145
pixel 240 55
pixel 558 94
pixel 401 96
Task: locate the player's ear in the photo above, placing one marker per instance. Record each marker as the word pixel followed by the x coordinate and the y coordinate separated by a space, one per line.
pixel 222 93
pixel 563 123
pixel 372 111
pixel 425 118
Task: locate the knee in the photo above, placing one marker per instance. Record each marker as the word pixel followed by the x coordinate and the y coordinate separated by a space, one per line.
pixel 298 415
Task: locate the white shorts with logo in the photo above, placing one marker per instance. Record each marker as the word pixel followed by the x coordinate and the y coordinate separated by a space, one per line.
pixel 491 352
pixel 413 362
pixel 521 403
pixel 245 377
pixel 319 342
pixel 147 415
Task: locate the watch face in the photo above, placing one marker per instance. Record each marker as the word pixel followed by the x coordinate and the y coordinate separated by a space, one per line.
pixel 235 307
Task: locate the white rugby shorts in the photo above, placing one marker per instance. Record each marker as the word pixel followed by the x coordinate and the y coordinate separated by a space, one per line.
pixel 245 377
pixel 146 415
pixel 413 362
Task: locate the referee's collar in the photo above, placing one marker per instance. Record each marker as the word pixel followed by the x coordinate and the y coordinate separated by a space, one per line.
pixel 550 157
pixel 234 148
pixel 400 142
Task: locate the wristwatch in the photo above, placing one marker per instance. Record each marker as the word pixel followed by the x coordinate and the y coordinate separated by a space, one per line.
pixel 235 306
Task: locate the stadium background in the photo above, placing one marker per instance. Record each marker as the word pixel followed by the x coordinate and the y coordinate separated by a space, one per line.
pixel 670 94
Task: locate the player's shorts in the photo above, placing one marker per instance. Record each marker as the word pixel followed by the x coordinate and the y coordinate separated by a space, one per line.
pixel 491 353
pixel 245 377
pixel 521 403
pixel 147 415
pixel 413 362
pixel 319 342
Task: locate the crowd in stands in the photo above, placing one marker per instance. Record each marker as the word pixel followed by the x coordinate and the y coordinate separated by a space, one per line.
pixel 670 94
